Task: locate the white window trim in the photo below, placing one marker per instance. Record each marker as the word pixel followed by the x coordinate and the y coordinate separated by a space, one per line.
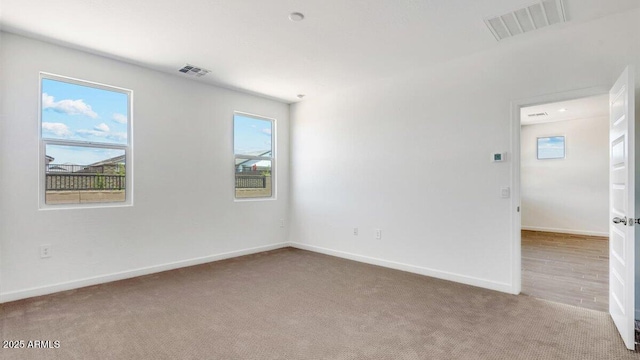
pixel 273 158
pixel 128 147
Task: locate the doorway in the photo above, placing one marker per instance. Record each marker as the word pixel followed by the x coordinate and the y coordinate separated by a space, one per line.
pixel 564 167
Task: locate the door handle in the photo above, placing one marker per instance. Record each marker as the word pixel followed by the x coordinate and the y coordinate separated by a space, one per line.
pixel 617 220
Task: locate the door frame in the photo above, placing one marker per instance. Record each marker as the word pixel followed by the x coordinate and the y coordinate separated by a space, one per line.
pixel 516 218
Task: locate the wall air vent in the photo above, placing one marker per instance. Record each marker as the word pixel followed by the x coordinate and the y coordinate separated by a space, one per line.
pixel 532 17
pixel 538 114
pixel 194 70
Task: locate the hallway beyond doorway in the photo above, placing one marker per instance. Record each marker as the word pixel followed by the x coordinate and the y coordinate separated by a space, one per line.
pixel 566 268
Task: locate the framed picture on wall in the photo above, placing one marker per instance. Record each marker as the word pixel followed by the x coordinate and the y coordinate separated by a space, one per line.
pixel 551 147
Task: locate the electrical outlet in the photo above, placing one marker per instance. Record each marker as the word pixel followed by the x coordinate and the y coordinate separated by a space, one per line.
pixel 281 223
pixel 45 251
pixel 378 234
pixel 355 231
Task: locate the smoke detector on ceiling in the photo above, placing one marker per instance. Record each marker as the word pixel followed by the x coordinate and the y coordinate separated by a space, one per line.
pixel 194 70
pixel 532 17
pixel 296 16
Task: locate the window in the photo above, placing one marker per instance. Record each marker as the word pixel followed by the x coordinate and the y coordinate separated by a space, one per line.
pixel 254 156
pixel 551 147
pixel 85 142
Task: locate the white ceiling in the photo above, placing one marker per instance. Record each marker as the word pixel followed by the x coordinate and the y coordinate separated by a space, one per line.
pixel 585 108
pixel 252 46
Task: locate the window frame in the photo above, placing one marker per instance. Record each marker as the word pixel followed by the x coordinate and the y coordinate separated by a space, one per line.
pixel 272 158
pixel 43 142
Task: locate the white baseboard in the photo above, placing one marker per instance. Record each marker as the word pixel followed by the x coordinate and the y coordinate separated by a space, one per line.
pixel 469 280
pixel 75 284
pixel 566 231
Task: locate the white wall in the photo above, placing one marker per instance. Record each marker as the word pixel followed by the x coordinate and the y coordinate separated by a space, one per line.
pixel 181 127
pixel 407 154
pixel 410 154
pixel 569 195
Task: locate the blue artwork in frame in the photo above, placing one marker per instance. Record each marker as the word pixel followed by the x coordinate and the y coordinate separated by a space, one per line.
pixel 551 147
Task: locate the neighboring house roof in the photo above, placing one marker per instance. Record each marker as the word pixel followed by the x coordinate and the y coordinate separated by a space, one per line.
pixel 114 160
pixel 250 162
pixel 50 158
pixel 96 167
pixel 58 168
pixel 261 164
pixel 66 167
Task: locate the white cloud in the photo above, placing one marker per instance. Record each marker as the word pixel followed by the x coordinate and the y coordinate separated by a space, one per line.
pixel 266 131
pixel 58 129
pixel 102 127
pixel 67 106
pixel 47 101
pixel 118 136
pixel 119 118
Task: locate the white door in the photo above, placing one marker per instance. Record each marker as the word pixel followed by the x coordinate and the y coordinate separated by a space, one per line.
pixel 622 206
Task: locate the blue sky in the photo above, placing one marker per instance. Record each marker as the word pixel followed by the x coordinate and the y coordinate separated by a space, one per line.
pixel 251 136
pixel 551 147
pixel 75 112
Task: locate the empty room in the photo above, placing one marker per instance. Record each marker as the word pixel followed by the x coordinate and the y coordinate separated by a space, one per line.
pixel 277 180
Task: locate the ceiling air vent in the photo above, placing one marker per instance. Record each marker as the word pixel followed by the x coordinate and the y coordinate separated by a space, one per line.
pixel 535 16
pixel 538 114
pixel 194 70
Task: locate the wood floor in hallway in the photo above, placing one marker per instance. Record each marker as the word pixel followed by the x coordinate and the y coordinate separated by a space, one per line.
pixel 565 268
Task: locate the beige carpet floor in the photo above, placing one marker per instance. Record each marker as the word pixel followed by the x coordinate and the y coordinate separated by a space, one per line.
pixel 294 304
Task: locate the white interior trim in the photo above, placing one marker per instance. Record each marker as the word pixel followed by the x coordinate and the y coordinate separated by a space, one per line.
pixel 50 289
pixel 43 142
pixel 566 231
pixel 272 158
pixel 468 280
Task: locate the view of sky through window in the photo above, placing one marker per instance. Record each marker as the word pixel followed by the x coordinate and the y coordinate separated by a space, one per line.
pixel 253 153
pixel 252 136
pixel 82 113
pixel 551 147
